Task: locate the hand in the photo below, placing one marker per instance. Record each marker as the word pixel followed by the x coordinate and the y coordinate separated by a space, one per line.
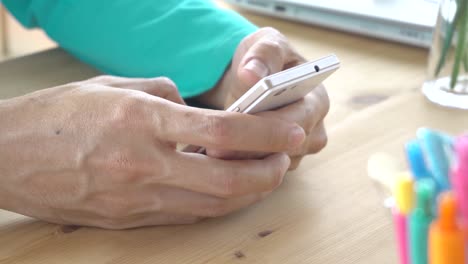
pixel 261 54
pixel 103 153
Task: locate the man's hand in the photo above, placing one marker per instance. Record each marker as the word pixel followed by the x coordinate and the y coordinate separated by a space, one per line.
pixel 103 153
pixel 261 54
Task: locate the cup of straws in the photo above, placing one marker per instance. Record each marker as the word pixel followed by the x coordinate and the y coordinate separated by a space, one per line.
pixel 429 201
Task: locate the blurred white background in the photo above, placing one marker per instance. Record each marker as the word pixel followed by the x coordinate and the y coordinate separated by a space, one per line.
pixel 17 41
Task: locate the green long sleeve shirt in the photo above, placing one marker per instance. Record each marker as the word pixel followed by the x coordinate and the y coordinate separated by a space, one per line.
pixel 190 41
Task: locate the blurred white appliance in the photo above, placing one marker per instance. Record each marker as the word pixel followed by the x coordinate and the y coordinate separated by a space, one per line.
pixel 405 21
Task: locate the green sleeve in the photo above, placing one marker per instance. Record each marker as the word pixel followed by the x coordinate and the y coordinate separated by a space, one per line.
pixel 190 41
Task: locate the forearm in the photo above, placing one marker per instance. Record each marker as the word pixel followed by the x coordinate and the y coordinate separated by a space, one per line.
pixel 7 130
pixel 25 141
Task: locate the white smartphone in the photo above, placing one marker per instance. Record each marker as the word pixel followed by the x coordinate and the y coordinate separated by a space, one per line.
pixel 288 86
pixel 281 89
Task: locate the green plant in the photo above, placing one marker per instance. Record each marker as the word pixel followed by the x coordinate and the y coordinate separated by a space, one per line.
pixel 459 25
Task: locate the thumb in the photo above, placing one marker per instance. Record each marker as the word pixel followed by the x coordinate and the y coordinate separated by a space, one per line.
pixel 271 53
pixel 265 57
pixel 253 71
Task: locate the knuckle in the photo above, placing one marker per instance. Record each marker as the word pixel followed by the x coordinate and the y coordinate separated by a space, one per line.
pixel 326 103
pixel 218 129
pixel 274 34
pixel 317 106
pixel 320 142
pixel 168 83
pixel 322 99
pixel 272 46
pixel 323 141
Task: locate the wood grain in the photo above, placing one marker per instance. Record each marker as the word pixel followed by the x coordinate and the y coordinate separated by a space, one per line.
pixel 325 212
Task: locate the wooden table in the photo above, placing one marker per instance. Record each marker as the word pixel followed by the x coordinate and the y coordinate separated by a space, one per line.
pixel 325 212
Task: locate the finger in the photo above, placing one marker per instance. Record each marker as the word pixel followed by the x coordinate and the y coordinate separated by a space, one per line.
pixel 316 140
pixel 301 113
pixel 235 155
pixel 161 86
pixel 223 130
pixel 314 143
pixel 227 179
pixel 306 112
pixel 179 201
pixel 270 54
pixel 295 161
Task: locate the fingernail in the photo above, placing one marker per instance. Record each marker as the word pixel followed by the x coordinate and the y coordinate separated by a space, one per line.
pixel 296 137
pixel 257 67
